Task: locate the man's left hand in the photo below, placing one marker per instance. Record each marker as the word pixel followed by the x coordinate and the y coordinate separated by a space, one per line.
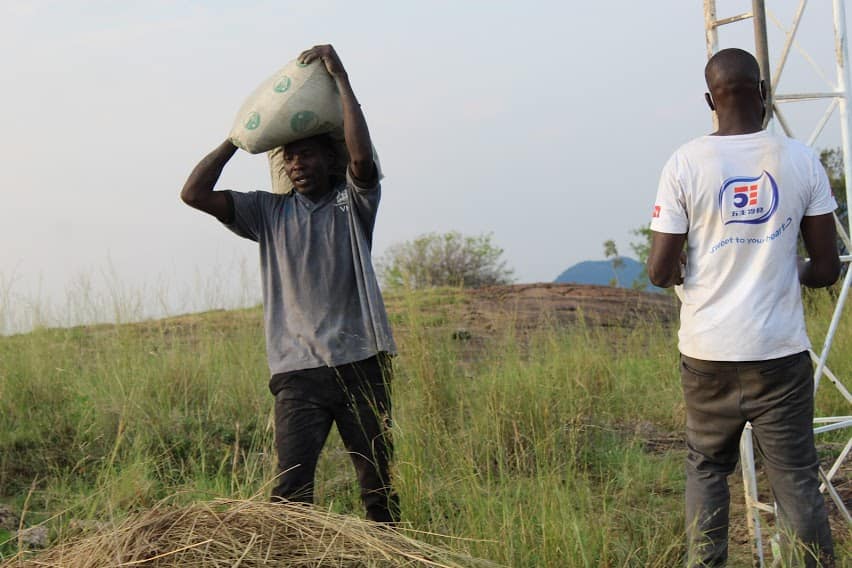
pixel 328 56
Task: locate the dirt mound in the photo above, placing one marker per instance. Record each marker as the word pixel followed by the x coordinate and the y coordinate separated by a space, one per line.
pixel 531 305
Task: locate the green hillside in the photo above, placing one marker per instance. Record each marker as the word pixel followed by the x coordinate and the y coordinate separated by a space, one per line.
pixel 525 443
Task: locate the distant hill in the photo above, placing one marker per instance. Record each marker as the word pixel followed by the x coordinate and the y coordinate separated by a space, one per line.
pixel 600 272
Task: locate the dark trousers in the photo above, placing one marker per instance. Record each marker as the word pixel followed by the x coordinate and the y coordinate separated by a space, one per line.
pixel 776 396
pixel 356 397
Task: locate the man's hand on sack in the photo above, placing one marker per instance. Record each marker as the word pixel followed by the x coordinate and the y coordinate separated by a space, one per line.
pixel 328 56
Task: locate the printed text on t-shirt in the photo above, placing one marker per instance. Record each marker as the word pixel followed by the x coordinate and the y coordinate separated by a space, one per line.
pixel 753 240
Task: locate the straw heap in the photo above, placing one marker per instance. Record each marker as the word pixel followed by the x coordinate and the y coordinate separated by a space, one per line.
pixel 244 533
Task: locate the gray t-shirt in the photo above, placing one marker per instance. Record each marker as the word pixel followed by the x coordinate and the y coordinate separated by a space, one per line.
pixel 321 301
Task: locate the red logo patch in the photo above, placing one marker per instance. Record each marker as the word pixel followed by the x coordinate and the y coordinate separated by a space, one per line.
pixel 745 195
pixel 656 213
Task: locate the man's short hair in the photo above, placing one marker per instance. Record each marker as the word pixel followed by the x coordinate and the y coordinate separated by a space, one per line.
pixel 732 67
pixel 323 140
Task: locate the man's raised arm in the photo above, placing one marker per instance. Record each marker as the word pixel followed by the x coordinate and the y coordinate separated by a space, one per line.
pixel 198 191
pixel 355 130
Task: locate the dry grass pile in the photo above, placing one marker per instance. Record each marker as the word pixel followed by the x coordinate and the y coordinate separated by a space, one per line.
pixel 246 534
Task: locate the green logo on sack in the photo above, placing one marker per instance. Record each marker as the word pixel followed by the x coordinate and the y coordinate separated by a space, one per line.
pixel 304 121
pixel 253 121
pixel 282 85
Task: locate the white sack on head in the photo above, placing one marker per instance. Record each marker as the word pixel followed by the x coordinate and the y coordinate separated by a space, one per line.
pixel 282 184
pixel 297 102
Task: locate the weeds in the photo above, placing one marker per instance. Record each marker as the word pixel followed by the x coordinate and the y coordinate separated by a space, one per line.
pixel 533 448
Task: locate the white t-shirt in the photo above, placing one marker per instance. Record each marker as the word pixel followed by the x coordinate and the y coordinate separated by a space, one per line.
pixel 741 199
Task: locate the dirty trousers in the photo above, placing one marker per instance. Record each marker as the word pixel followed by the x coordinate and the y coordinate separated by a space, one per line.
pixel 776 396
pixel 356 397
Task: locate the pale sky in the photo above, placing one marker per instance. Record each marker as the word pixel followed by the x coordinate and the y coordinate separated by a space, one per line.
pixel 545 123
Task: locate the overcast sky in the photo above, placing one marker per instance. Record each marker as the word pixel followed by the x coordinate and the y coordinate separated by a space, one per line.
pixel 545 123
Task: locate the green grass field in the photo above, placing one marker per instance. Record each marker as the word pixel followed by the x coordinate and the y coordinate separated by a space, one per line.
pixel 558 448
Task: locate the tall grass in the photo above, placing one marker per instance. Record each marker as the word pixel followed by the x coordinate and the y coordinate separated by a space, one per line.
pixel 552 448
pixel 29 302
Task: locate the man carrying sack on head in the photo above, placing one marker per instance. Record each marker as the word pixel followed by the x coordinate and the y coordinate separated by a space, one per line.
pixel 739 198
pixel 327 334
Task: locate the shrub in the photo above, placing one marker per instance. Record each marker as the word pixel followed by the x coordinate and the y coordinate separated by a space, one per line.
pixel 450 259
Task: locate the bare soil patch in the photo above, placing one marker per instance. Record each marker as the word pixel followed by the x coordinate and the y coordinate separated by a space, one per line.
pixel 531 305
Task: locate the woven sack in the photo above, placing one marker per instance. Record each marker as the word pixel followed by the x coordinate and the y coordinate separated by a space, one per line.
pixel 296 102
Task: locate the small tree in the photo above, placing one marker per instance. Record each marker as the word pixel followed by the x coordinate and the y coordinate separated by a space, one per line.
pixel 611 251
pixel 642 248
pixel 832 161
pixel 449 259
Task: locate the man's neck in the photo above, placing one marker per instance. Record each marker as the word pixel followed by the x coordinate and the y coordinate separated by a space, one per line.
pixel 316 195
pixel 732 124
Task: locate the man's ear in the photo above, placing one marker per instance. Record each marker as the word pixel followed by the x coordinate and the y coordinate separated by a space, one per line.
pixel 709 100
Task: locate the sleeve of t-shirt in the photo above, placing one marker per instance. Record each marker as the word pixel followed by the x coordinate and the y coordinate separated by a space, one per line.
pixel 363 186
pixel 822 199
pixel 669 214
pixel 366 197
pixel 248 216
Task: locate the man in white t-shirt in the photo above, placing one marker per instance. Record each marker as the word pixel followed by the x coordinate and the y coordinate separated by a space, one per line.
pixel 738 199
